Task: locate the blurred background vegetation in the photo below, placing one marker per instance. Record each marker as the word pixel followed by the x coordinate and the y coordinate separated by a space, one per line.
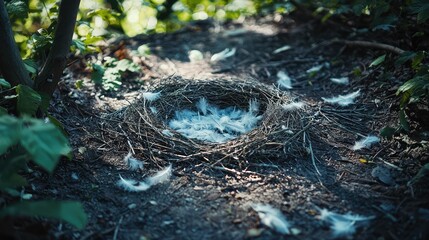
pixel 33 20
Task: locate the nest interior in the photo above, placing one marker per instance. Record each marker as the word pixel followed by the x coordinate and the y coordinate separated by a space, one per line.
pixel 276 136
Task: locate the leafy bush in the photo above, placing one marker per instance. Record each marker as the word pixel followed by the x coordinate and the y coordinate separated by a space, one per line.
pixel 109 74
pixel 24 139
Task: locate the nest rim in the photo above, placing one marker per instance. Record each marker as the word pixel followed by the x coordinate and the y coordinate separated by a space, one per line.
pixel 147 126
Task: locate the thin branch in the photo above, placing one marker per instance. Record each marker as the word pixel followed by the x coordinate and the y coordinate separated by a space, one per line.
pixel 376 45
pixel 50 75
pixel 358 43
pixel 11 64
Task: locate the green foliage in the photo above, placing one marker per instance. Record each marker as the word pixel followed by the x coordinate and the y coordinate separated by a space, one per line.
pixel 42 142
pixel 387 132
pixel 4 83
pixel 17 9
pixel 414 89
pixel 378 61
pixel 24 139
pixel 28 100
pixel 423 174
pixel 71 212
pixel 421 8
pixel 109 75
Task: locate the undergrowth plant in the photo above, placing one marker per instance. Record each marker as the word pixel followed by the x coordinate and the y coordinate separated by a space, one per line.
pixel 25 91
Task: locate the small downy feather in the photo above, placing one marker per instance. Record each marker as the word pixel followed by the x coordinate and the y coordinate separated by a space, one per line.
pixel 151 96
pixel 132 185
pixel 340 81
pixel 283 80
pixel 253 106
pixel 366 142
pixel 202 105
pixel 223 55
pixel 272 218
pixel 167 133
pixel 133 163
pixel 154 110
pixel 343 100
pixel 343 225
pixel 282 49
pixel 293 106
pixel 343 228
pixel 315 69
pixel 160 177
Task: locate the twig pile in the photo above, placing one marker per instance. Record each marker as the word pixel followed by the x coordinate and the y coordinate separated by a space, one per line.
pixel 145 123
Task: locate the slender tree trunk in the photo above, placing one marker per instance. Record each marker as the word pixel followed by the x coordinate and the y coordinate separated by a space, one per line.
pixel 50 75
pixel 11 65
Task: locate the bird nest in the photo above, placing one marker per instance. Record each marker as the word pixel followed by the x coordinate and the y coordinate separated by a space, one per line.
pixel 275 136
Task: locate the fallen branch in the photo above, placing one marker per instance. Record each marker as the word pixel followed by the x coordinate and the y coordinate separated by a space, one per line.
pixel 358 43
pixel 376 45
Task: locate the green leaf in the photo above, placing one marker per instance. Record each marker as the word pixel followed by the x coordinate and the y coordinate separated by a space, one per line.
pixel 97 73
pixel 413 89
pixel 69 211
pixel 44 103
pixel 12 162
pixel 4 83
pixel 421 8
pixel 378 61
pixel 12 181
pixel 9 132
pixel 57 124
pixel 387 132
pixel 17 9
pixel 45 143
pixel 403 121
pixel 28 100
pixel 417 60
pixel 404 57
pixel 79 44
pixel 422 174
pixel 79 84
pixel 30 65
pixel 3 111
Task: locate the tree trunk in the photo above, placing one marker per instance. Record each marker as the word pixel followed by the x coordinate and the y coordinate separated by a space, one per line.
pixel 50 75
pixel 11 65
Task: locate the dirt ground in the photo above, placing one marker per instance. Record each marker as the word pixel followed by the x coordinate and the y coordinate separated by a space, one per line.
pixel 213 202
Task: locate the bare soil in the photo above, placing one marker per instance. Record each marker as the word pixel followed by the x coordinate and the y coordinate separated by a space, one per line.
pixel 205 201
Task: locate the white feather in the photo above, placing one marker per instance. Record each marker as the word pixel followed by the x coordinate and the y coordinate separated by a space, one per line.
pixel 272 218
pixel 341 81
pixel 343 228
pixel 151 96
pixel 282 49
pixel 167 133
pixel 249 120
pixel 202 105
pixel 132 185
pixel 223 55
pixel 133 163
pixel 283 80
pixel 216 125
pixel 293 106
pixel 315 69
pixel 343 100
pixel 160 177
pixel 154 110
pixel 343 224
pixel 366 142
pixel 253 106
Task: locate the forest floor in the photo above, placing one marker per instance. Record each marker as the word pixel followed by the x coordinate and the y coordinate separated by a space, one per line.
pixel 203 202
